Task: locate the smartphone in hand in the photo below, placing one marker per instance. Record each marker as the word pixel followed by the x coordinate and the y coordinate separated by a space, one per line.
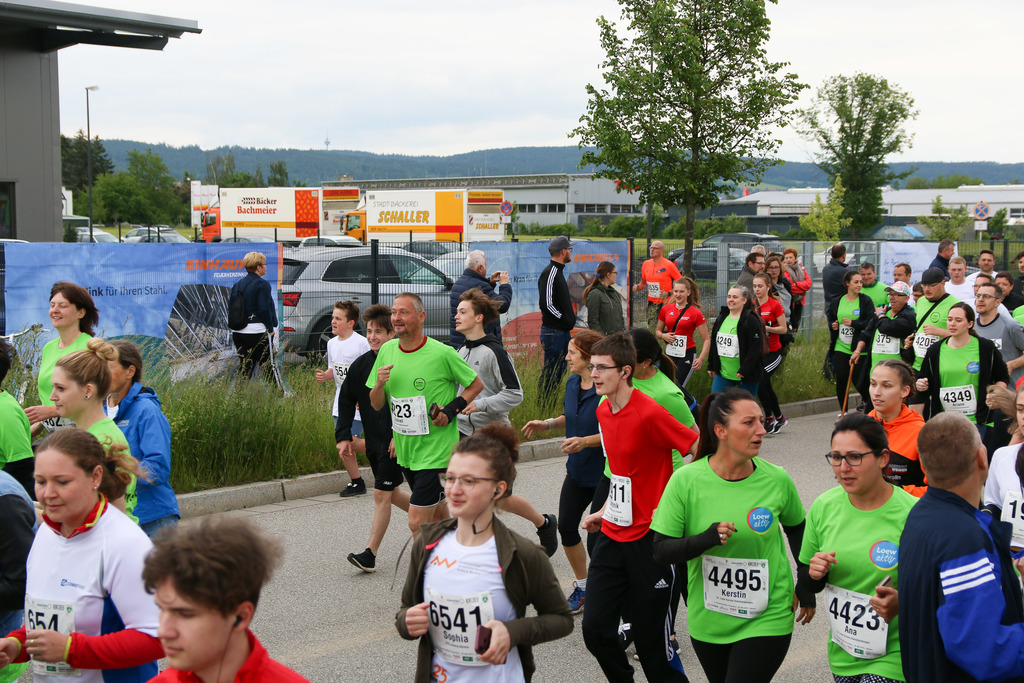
pixel 483 639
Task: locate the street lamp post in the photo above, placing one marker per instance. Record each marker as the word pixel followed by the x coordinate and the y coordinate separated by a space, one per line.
pixel 88 152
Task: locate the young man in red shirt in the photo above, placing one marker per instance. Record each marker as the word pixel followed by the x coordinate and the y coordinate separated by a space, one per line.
pixel 638 436
pixel 206 579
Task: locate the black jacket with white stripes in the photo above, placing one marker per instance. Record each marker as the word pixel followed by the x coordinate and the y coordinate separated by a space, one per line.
pixel 556 309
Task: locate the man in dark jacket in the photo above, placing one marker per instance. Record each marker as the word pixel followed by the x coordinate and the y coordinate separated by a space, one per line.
pixel 475 275
pixel 557 317
pixel 941 260
pixel 961 613
pixel 832 275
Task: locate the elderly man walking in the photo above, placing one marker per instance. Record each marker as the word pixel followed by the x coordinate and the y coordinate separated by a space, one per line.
pixel 475 275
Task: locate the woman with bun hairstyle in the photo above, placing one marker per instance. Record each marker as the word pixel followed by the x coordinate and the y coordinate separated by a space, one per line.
pixel 891 387
pixel 471 571
pixel 84 572
pixel 957 372
pixel 679 322
pixel 848 316
pixel 73 315
pixel 585 484
pixel 603 301
pixel 724 515
pixel 136 411
pixel 735 358
pixel 81 382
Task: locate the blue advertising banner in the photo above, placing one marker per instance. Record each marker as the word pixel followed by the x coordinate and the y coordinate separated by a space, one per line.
pixel 524 262
pixel 175 293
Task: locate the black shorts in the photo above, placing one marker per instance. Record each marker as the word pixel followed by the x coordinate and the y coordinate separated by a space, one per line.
pixel 426 487
pixel 387 473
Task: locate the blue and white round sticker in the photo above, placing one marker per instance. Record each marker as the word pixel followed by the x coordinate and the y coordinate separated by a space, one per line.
pixel 974 367
pixel 760 520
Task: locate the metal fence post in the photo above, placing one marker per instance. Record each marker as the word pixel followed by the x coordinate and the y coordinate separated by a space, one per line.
pixel 629 284
pixel 375 281
pixel 722 280
pixel 807 317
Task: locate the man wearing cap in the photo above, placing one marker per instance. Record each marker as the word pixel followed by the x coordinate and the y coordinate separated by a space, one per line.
pixel 883 337
pixel 557 317
pixel 930 327
pixel 656 276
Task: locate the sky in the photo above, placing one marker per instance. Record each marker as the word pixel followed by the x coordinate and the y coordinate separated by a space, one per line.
pixel 411 77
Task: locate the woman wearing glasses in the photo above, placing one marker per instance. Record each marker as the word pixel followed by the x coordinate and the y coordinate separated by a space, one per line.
pixel 957 372
pixel 851 545
pixel 735 358
pixel 892 385
pixel 471 571
pixel 724 515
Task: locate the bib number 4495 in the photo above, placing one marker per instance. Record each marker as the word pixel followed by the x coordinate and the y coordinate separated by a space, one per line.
pixel 736 579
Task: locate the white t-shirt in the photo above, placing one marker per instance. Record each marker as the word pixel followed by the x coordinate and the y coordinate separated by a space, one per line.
pixel 962 291
pixel 340 354
pixel 464 586
pixel 1003 489
pixel 79 581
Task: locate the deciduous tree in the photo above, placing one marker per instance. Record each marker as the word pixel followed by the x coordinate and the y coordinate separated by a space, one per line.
pixel 857 121
pixel 946 223
pixel 688 101
pixel 825 220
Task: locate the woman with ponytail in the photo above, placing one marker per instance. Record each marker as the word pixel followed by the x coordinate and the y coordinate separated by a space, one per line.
pixel 471 571
pixel 84 588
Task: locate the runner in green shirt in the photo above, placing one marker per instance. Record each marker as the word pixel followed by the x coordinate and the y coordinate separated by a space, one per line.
pixel 81 382
pixel 871 286
pixel 931 313
pixel 851 545
pixel 73 315
pixel 413 374
pixel 724 515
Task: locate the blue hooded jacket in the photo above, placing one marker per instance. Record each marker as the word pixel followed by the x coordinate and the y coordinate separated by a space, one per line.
pixel 149 436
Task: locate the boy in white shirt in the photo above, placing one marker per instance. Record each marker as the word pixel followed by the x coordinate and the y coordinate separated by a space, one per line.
pixel 342 349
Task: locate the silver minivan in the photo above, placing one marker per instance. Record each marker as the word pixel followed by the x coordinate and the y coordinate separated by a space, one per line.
pixel 314 278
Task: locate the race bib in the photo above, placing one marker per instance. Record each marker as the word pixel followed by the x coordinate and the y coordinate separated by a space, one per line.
pixel 884 344
pixel 340 373
pixel 620 502
pixel 856 627
pixel 728 345
pixel 734 586
pixel 961 400
pixel 1013 512
pixel 52 424
pixel 454 621
pixel 653 290
pixel 846 334
pixel 922 342
pixel 52 616
pixel 409 416
pixel 677 349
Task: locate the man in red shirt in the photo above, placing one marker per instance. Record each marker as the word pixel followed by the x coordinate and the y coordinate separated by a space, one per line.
pixel 656 276
pixel 206 579
pixel 638 436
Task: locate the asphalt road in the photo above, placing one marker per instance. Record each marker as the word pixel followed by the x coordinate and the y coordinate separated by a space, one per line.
pixel 331 622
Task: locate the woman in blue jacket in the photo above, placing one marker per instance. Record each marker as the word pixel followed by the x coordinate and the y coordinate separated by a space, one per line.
pixel 136 410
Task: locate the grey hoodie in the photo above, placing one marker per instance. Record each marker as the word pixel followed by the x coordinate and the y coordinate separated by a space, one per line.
pixel 502 391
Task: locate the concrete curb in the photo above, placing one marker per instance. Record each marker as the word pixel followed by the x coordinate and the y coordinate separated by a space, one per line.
pixel 230 498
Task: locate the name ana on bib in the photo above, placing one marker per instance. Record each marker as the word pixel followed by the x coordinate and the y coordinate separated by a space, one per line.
pixel 855 625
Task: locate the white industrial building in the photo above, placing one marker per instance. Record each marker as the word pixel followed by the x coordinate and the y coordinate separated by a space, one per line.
pixel 544 199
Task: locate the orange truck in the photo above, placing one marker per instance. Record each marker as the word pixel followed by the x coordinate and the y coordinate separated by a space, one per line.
pixel 427 215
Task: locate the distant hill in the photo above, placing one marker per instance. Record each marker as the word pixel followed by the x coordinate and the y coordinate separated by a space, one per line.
pixel 312 166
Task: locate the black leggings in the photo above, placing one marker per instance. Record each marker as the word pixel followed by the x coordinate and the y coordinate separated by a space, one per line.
pixel 841 369
pixel 24 472
pixel 253 350
pixel 765 392
pixel 796 310
pixel 746 661
pixel 572 503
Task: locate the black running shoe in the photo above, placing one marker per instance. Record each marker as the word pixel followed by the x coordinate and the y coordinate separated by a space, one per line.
pixel 354 489
pixel 549 535
pixel 364 560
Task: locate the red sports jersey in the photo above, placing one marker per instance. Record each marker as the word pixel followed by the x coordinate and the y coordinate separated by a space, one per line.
pixel 771 311
pixel 692 318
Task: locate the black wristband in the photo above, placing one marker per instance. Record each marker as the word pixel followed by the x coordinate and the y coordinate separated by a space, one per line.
pixel 454 408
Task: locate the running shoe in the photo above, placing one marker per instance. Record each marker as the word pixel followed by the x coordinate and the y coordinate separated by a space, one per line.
pixel 769 426
pixel 577 598
pixel 353 489
pixel 780 423
pixel 549 534
pixel 364 560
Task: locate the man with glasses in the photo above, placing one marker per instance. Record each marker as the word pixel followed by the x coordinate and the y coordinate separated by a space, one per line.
pixel 656 276
pixel 557 318
pixel 1008 336
pixel 638 437
pixel 754 264
pixel 883 338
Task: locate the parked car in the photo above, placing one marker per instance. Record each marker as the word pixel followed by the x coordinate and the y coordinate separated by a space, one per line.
pixel 451 264
pixel 705 262
pixel 745 240
pixel 98 236
pixel 255 238
pixel 340 241
pixel 136 234
pixel 432 249
pixel 314 278
pixel 171 236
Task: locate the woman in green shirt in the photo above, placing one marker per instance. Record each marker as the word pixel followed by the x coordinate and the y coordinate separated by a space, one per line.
pixel 851 545
pixel 958 370
pixel 735 358
pixel 81 382
pixel 73 315
pixel 848 316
